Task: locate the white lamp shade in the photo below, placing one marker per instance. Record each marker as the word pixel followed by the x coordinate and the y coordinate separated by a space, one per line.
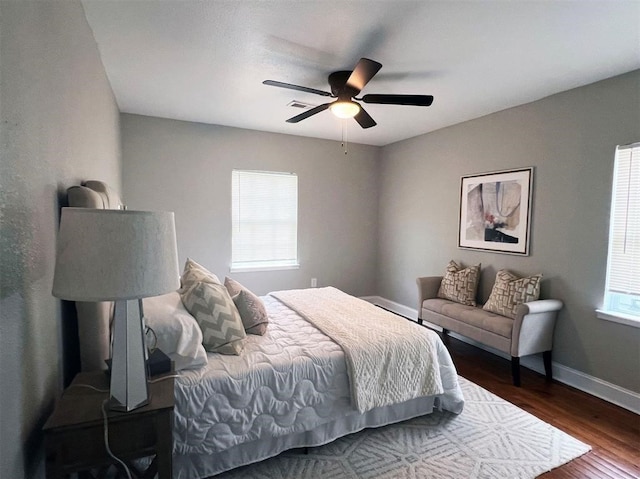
pixel 106 255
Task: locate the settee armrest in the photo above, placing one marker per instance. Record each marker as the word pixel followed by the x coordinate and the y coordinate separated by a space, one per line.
pixel 533 327
pixel 540 306
pixel 428 287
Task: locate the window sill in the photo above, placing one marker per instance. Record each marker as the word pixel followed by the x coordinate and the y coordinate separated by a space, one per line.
pixel 618 318
pixel 247 269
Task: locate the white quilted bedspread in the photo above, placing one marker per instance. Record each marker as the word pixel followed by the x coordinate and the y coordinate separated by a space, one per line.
pixel 289 388
pixel 290 380
pixel 389 359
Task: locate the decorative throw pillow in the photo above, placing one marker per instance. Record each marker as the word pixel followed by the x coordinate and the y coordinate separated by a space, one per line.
pixel 509 291
pixel 217 316
pixel 460 285
pixel 252 311
pixel 251 308
pixel 232 286
pixel 195 273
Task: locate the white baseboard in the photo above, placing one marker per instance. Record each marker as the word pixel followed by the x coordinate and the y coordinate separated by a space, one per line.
pixel 592 385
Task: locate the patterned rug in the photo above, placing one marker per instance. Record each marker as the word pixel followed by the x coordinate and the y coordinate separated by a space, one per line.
pixel 491 439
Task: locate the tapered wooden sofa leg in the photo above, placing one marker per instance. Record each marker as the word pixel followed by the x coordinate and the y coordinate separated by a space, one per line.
pixel 546 358
pixel 515 371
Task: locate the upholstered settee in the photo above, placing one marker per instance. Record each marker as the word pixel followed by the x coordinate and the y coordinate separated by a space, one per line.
pixel 526 328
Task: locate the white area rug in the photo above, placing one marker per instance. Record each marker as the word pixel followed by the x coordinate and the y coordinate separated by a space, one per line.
pixel 491 439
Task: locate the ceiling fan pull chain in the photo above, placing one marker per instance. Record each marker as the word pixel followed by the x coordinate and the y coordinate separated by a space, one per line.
pixel 345 140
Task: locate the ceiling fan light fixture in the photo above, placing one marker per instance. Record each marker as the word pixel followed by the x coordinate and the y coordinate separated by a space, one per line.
pixel 347 84
pixel 345 108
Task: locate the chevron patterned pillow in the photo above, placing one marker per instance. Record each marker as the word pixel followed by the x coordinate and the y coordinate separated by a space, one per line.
pixel 460 285
pixel 218 317
pixel 509 291
pixel 195 273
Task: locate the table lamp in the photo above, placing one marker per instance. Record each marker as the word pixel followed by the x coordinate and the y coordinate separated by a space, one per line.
pixel 121 256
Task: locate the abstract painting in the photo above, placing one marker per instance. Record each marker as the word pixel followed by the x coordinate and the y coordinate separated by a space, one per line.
pixel 495 211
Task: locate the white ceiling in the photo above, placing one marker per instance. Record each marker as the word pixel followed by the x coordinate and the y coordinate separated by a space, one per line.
pixel 205 61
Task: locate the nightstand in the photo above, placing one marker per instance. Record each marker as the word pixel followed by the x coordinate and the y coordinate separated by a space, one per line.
pixel 74 434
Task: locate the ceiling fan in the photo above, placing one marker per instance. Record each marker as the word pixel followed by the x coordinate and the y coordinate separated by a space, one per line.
pixel 345 85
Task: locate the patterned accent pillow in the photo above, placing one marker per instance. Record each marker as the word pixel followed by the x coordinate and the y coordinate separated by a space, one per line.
pixel 217 316
pixel 510 291
pixel 195 273
pixel 232 286
pixel 460 285
pixel 251 308
pixel 252 311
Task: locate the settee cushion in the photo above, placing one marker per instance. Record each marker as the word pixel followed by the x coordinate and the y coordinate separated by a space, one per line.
pixel 472 316
pixel 509 291
pixel 460 284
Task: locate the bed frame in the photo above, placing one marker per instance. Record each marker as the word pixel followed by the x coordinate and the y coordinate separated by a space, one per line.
pixel 94 332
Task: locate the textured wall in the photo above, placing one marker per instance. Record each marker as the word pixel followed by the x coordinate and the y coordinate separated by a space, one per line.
pixel 570 139
pixel 186 168
pixel 59 125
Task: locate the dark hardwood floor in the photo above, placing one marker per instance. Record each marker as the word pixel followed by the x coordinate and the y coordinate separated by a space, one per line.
pixel 612 432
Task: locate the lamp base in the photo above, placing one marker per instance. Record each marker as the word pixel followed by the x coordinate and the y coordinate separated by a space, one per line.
pixel 157 363
pixel 114 405
pixel 129 389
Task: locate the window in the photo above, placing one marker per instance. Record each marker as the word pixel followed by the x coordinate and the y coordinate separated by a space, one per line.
pixel 622 291
pixel 264 220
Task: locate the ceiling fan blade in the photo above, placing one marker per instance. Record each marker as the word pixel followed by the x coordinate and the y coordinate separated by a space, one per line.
pixel 295 87
pixel 308 113
pixel 415 100
pixel 364 119
pixel 364 71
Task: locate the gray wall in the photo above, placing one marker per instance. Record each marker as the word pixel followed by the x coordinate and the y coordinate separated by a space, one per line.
pixel 570 139
pixel 186 168
pixel 59 124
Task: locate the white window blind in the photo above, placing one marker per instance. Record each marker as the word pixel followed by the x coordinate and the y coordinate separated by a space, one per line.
pixel 622 294
pixel 264 220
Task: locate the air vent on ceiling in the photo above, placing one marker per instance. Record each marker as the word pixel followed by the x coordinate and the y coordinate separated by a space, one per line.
pixel 299 104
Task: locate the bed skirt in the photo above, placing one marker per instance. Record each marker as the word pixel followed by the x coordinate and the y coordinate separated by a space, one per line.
pixel 196 466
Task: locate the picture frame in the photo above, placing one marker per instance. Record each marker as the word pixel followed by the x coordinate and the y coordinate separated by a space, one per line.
pixel 495 211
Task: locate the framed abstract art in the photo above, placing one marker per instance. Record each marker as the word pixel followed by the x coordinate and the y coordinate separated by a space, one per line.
pixel 495 211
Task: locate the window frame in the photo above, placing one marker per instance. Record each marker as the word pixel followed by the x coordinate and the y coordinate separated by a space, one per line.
pixel 267 263
pixel 606 312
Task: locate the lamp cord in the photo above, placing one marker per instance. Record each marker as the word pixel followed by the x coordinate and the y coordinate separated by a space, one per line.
pixel 106 439
pixel 105 418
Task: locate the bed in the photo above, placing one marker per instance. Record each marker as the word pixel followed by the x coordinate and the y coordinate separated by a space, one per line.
pixel 304 382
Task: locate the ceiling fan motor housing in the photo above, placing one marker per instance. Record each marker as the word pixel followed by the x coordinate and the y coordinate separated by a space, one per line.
pixel 339 87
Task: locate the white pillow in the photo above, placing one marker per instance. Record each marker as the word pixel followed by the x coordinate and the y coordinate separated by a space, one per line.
pixel 178 333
